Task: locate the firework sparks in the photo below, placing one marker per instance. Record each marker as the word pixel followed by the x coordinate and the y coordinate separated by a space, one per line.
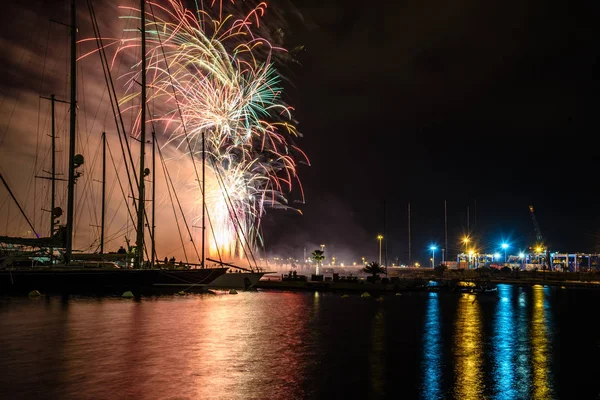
pixel 212 75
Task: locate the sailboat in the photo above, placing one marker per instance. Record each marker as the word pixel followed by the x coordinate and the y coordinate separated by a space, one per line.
pixel 19 273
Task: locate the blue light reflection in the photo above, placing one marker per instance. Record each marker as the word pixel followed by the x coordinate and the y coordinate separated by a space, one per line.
pixel 432 350
pixel 504 344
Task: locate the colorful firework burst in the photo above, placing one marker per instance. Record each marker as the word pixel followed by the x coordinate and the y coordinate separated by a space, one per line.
pixel 212 76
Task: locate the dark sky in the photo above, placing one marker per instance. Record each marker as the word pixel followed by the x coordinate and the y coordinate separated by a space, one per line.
pixel 486 106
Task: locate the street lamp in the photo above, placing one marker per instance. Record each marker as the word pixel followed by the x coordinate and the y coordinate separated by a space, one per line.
pixel 496 256
pixel 504 246
pixel 466 241
pixel 433 249
pixel 380 238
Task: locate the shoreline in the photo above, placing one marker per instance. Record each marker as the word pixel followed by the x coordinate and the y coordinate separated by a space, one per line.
pixel 425 283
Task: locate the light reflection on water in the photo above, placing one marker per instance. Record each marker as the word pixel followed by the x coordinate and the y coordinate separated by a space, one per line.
pixel 540 344
pixel 196 347
pixel 432 350
pixel 284 345
pixel 504 345
pixel 468 346
pixel 521 341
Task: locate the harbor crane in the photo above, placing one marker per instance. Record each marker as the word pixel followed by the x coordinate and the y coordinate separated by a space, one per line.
pixel 539 238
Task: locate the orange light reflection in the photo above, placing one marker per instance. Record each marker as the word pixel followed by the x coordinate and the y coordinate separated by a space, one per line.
pixel 468 350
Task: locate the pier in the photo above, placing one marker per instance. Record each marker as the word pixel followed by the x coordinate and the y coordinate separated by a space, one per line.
pixel 428 279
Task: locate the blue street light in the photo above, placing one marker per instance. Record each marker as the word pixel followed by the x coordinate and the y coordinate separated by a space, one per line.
pixel 504 246
pixel 433 249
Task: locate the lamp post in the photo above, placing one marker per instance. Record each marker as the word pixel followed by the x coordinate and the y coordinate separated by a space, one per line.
pixel 504 246
pixel 380 238
pixel 466 241
pixel 433 249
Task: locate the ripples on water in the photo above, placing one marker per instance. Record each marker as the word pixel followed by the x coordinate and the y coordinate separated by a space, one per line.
pixel 283 345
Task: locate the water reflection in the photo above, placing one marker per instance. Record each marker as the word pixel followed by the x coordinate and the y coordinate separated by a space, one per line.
pixel 540 344
pixel 468 350
pixel 248 346
pixel 521 343
pixel 284 345
pixel 432 350
pixel 504 344
pixel 28 329
pixel 377 359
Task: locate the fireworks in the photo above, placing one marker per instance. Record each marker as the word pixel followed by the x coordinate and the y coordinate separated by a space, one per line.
pixel 210 73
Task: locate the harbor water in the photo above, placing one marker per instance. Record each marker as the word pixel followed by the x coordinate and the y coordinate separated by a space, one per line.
pixel 521 342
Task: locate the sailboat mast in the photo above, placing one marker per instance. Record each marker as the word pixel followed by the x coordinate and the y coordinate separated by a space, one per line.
pixel 385 236
pixel 72 122
pixel 140 217
pixel 446 230
pixel 203 196
pixel 153 253
pixel 409 255
pixel 468 227
pixel 103 192
pixel 53 175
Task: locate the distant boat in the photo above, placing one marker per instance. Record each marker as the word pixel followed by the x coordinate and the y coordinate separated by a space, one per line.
pixel 237 277
pixel 236 280
pixel 486 290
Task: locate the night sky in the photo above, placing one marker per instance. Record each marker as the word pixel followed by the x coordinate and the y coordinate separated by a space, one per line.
pixel 485 106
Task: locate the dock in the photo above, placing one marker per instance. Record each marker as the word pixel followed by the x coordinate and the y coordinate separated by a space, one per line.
pixel 427 279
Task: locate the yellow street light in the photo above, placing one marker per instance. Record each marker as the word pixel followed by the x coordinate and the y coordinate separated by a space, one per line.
pixel 466 241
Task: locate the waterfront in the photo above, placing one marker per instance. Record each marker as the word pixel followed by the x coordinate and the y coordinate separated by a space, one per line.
pixel 527 342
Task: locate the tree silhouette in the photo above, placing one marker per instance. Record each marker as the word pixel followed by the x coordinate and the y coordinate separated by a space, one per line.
pixel 374 269
pixel 318 256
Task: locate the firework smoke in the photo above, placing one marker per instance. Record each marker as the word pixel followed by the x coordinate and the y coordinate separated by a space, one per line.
pixel 211 75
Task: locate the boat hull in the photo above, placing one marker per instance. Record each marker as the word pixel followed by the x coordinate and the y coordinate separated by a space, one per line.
pixel 100 281
pixel 191 280
pixel 241 280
